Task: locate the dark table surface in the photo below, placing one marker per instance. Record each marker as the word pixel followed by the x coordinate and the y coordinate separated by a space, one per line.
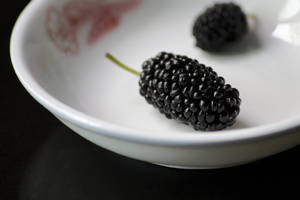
pixel 41 159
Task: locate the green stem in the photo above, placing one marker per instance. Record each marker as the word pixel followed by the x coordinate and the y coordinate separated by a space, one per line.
pixel 117 62
pixel 252 17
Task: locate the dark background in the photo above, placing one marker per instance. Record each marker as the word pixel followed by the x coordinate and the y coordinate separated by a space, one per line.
pixel 41 159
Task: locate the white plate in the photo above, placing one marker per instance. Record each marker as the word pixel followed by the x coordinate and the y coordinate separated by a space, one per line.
pixel 58 48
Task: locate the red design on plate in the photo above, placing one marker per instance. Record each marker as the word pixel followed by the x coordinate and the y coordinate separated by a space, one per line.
pixel 64 24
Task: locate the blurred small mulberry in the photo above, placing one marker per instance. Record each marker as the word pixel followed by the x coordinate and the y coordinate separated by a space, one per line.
pixel 219 25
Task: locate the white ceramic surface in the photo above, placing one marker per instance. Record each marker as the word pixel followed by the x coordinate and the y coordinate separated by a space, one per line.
pixel 58 48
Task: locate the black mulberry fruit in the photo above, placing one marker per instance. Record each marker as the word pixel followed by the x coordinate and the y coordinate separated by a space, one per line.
pixel 185 90
pixel 219 25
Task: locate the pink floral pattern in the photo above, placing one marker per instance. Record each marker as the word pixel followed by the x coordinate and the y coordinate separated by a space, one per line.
pixel 63 24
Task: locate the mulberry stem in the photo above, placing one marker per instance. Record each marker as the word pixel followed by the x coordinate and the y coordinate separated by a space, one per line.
pixel 253 19
pixel 117 62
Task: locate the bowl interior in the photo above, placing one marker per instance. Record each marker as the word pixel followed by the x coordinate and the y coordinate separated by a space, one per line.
pixel 64 48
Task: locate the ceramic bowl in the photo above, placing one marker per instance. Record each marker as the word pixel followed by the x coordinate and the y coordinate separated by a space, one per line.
pixel 58 52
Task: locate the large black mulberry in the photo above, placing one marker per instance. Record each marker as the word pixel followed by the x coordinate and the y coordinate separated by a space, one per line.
pixel 183 89
pixel 219 25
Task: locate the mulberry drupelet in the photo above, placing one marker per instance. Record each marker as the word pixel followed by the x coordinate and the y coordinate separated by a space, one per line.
pixel 183 89
pixel 219 25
